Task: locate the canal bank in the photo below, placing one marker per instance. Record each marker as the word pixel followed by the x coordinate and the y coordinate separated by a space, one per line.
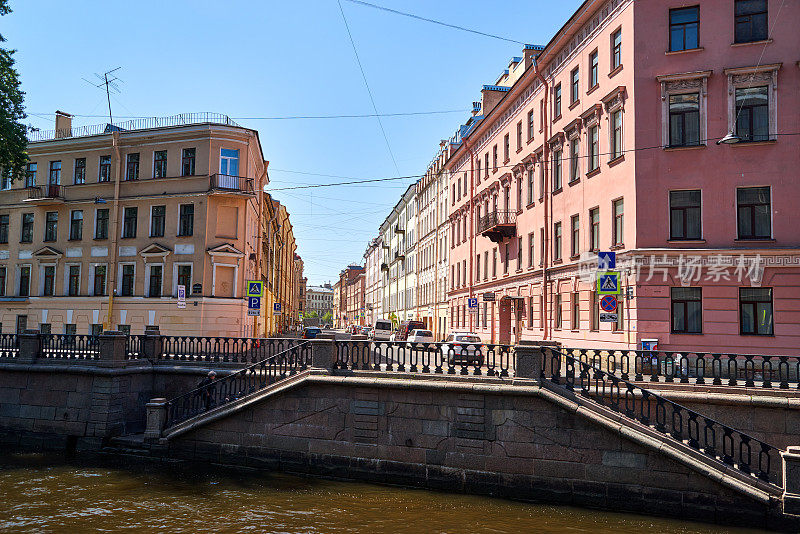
pixel 48 493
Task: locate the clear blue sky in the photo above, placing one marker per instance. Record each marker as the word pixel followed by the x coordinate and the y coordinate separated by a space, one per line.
pixel 269 58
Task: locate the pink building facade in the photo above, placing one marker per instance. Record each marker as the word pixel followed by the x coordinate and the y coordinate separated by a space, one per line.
pixel 605 140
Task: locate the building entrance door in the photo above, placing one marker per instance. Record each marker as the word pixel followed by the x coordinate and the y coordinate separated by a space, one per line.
pixel 22 324
pixel 504 328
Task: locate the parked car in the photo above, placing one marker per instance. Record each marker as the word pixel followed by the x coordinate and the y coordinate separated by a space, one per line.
pixel 382 330
pixel 366 331
pixel 406 327
pixel 420 336
pixel 311 332
pixel 463 347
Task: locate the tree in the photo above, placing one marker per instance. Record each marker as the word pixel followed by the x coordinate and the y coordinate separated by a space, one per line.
pixel 13 142
pixel 311 315
pixel 327 318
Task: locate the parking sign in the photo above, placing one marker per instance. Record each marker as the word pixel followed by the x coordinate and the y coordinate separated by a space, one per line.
pixel 472 302
pixel 276 308
pixel 181 297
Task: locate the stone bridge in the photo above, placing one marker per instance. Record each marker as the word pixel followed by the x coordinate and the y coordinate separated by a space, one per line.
pixel 705 437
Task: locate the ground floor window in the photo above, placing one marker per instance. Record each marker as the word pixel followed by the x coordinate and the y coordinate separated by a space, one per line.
pixel 755 311
pixel 687 310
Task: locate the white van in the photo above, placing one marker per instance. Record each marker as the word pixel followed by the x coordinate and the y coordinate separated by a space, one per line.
pixel 383 330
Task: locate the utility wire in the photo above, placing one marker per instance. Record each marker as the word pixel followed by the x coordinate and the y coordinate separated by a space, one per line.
pixel 369 91
pixel 433 21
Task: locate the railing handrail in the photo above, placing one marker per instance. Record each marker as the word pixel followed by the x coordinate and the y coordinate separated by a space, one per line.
pixel 496 217
pixel 644 393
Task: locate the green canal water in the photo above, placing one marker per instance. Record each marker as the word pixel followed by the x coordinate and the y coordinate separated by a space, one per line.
pixel 45 494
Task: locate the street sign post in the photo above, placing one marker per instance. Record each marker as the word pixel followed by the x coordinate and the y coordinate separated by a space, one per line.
pixel 606 261
pixel 608 283
pixel 472 302
pixel 253 306
pixel 276 309
pixel 181 297
pixel 608 303
pixel 255 288
pixel 488 297
pixel 608 318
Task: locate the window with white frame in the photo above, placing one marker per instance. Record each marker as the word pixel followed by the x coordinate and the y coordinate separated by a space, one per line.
pixel 752 109
pixel 683 109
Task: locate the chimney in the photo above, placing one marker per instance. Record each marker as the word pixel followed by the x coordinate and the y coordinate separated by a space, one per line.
pixel 529 52
pixel 63 125
pixel 492 94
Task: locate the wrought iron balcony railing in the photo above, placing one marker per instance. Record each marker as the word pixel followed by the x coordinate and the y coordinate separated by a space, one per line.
pixel 224 182
pixel 42 192
pixel 498 225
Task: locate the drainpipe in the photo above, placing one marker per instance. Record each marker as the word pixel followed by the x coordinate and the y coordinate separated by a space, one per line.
pixel 547 200
pixel 111 274
pixel 471 206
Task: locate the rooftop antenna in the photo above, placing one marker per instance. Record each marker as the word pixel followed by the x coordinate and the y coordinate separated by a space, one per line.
pixel 110 84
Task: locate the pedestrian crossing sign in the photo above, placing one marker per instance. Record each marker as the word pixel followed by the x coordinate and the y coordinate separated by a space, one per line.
pixel 255 288
pixel 608 283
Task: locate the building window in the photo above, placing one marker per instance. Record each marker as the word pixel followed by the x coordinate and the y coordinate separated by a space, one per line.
pixel 557 241
pixel 132 167
pixel 687 310
pixel 99 280
pixel 70 329
pixel 574 85
pixel 616 134
pixel 160 164
pixel 105 169
pixel 79 176
pixel 750 21
pixel 187 161
pixel 76 225
pixel 557 102
pixel 530 185
pixel 594 312
pixel 478 170
pixel 506 148
pixel 51 226
pixel 494 158
pixel 74 280
pixel 30 176
pixel 157 217
pixel 753 213
pixel 557 323
pixel 594 234
pixel 4 222
pixel 519 193
pixel 556 170
pixel 519 253
pixel 530 249
pixel 530 125
pixel 494 263
pixel 129 222
pixel 619 324
pixel 576 311
pixel 574 160
pixel 3 277
pixel 101 224
pixel 594 148
pixel 619 226
pixel 616 49
pixel 55 173
pixel 24 289
pixel 154 283
pixel 752 113
pixel 185 276
pixel 575 242
pixel 542 246
pixel 49 280
pixel 519 136
pixel 684 215
pixel 593 64
pixel 506 258
pixel 755 311
pixel 128 277
pixel 229 162
pixel 684 119
pixel 486 165
pixel 684 28
pixel 486 265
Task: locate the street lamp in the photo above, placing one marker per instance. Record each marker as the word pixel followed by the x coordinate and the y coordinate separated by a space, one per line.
pixel 729 139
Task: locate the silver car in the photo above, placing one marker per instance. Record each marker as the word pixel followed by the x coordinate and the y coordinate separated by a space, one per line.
pixel 463 347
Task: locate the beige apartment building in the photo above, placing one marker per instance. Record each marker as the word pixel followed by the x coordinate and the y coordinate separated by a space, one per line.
pixel 111 219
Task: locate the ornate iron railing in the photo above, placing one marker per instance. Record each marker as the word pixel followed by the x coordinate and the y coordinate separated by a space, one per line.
pixel 9 345
pixel 496 218
pixel 45 191
pixel 437 358
pixel 222 349
pixel 714 439
pixel 748 370
pixel 253 378
pixel 224 182
pixel 70 346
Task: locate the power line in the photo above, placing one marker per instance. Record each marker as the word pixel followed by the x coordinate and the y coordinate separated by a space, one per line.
pixel 433 21
pixel 366 84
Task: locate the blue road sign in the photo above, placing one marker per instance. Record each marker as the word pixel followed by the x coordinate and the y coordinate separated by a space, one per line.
pixel 254 302
pixel 608 283
pixel 276 308
pixel 472 302
pixel 255 288
pixel 606 260
pixel 608 303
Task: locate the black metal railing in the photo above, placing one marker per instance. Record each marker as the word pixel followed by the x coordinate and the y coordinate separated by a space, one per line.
pixel 438 358
pixel 224 182
pixel 70 346
pixel 714 439
pixel 748 370
pixel 222 349
pixel 9 345
pixel 134 347
pixel 249 380
pixel 496 218
pixel 45 191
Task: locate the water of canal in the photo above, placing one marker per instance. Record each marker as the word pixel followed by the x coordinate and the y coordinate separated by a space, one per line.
pixel 46 494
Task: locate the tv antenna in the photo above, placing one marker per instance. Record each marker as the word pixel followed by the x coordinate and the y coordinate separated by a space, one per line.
pixel 109 84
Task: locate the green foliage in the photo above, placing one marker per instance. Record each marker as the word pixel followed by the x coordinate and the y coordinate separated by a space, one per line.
pixel 13 142
pixel 327 318
pixel 311 315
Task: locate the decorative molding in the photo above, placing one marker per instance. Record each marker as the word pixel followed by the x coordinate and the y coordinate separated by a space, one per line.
pixel 591 116
pixel 572 130
pixel 615 99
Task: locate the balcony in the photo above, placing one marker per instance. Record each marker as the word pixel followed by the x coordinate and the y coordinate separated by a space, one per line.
pixel 399 255
pixel 498 225
pixel 45 195
pixel 384 266
pixel 398 229
pixel 235 185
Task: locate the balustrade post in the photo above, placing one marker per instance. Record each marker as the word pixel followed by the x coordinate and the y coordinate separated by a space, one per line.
pixel 323 354
pixel 30 346
pixel 156 418
pixel 151 345
pixel 791 480
pixel 530 359
pixel 112 349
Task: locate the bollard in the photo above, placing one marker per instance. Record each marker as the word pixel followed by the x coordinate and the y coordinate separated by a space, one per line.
pixel 112 349
pixel 30 346
pixel 530 359
pixel 156 418
pixel 151 345
pixel 791 480
pixel 323 354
